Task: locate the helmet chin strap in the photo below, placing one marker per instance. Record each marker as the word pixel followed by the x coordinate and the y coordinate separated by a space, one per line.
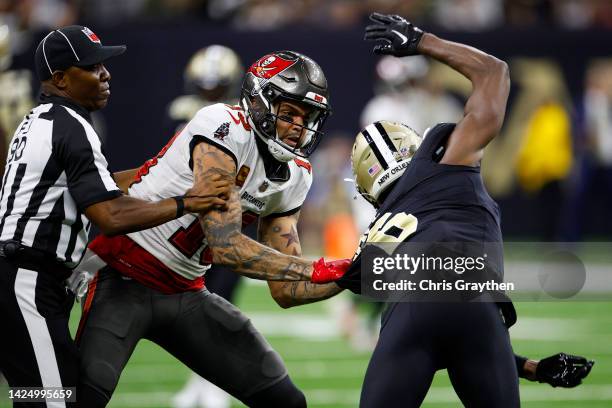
pixel 279 152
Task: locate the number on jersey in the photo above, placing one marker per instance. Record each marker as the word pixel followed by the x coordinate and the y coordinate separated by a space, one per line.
pixel 389 228
pixel 189 240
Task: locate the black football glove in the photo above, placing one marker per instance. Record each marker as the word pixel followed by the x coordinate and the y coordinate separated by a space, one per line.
pixel 396 36
pixel 563 370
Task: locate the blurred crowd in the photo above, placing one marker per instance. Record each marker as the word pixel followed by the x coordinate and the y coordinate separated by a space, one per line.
pixel 470 15
pixel 558 147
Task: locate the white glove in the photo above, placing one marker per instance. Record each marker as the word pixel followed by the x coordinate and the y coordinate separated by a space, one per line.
pixel 78 282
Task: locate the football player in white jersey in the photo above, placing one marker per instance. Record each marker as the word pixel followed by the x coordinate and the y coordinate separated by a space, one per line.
pixel 151 284
pixel 212 75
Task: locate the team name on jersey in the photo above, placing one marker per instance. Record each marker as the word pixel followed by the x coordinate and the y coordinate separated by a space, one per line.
pixel 252 200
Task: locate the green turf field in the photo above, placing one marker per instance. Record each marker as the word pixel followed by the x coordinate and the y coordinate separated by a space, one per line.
pixel 330 372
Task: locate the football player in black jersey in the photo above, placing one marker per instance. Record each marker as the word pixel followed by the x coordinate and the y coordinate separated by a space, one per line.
pixel 429 190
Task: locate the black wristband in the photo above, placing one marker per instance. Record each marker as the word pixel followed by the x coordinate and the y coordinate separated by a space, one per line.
pixel 180 206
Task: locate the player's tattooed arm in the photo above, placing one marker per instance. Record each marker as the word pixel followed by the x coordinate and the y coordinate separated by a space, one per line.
pixel 281 233
pixel 485 109
pixel 223 228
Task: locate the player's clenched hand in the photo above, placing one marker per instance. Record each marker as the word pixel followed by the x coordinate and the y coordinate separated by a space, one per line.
pixel 207 195
pixel 563 370
pixel 324 272
pixel 394 34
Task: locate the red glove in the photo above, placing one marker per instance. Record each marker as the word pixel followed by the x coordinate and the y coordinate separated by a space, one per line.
pixel 324 272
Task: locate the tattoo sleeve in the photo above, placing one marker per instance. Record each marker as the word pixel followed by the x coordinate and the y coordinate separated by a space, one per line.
pixel 281 234
pixel 223 229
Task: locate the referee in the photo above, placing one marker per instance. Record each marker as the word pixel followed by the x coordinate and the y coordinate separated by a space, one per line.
pixel 56 182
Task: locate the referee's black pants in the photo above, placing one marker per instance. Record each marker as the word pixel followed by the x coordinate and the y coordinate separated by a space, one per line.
pixel 36 349
pixel 469 339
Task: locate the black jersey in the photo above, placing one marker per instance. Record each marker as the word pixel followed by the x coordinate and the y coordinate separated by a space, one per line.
pixel 434 203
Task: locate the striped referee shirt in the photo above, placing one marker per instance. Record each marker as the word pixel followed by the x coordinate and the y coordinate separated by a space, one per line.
pixel 55 169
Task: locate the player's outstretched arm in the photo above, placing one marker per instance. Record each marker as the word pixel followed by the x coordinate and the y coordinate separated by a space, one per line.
pixel 281 234
pixel 485 109
pixel 232 248
pixel 559 370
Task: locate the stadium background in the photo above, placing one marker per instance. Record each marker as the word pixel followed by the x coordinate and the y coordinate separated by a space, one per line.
pixel 550 169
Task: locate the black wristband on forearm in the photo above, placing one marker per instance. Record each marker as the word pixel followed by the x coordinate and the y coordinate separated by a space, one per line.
pixel 180 206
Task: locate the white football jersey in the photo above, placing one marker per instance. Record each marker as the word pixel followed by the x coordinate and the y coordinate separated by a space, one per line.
pixel 180 244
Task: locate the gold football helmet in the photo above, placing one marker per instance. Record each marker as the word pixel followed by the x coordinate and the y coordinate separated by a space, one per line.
pixel 381 154
pixel 214 67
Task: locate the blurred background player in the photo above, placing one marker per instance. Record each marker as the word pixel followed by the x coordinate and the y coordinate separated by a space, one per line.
pixel 212 75
pixel 408 91
pixel 16 96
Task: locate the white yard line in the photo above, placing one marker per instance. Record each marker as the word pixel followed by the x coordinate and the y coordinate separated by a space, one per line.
pixel 436 395
pixel 323 327
pixel 316 369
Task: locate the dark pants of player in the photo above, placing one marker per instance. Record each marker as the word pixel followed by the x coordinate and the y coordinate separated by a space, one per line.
pixel 222 281
pixel 417 339
pixel 36 349
pixel 202 330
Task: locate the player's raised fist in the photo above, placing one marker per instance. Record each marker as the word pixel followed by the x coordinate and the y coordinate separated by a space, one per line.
pixel 394 35
pixel 324 272
pixel 208 195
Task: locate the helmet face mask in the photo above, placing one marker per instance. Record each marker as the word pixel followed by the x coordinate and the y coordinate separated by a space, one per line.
pixel 381 154
pixel 292 77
